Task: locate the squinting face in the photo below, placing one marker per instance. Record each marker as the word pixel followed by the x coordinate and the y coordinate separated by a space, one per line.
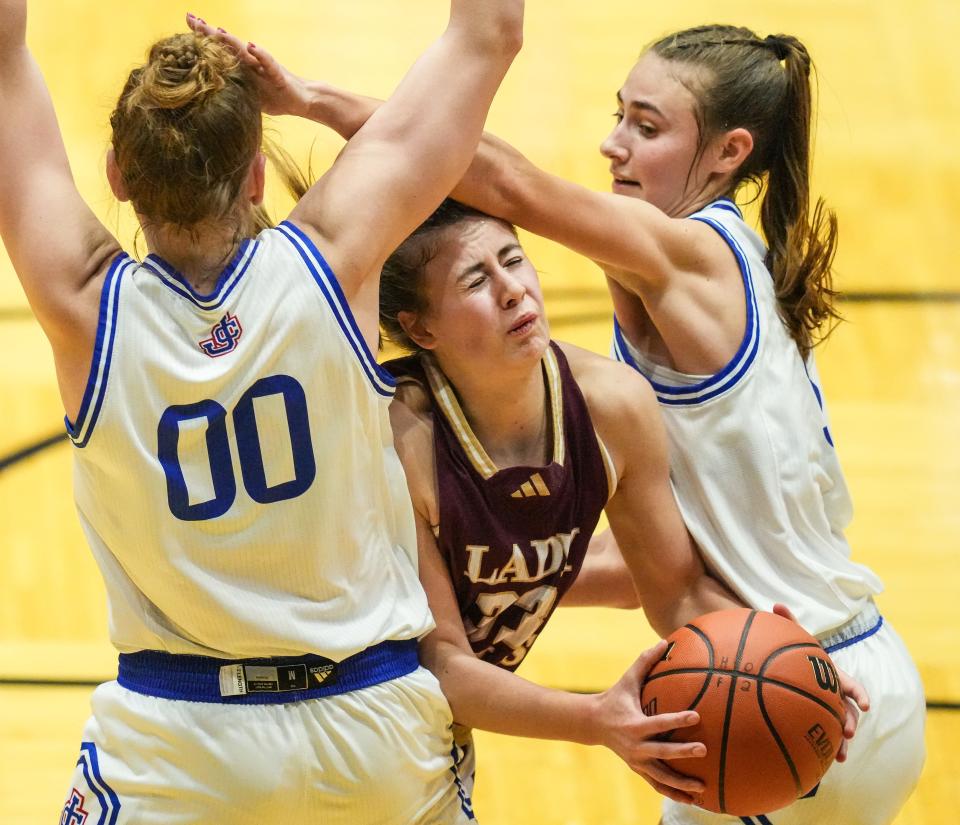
pixel 653 148
pixel 484 302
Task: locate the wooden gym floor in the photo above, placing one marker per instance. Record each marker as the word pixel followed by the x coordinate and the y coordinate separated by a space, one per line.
pixel 886 159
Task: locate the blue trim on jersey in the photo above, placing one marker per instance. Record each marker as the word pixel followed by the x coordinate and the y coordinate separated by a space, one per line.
pixel 728 205
pixel 383 382
pixel 197 678
pixel 858 638
pixel 819 397
pixel 96 388
pixel 763 820
pixel 746 820
pixel 226 281
pixel 106 796
pixel 736 368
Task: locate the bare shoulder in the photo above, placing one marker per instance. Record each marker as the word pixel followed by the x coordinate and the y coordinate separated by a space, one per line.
pixel 611 389
pixel 412 422
pixel 622 405
pixel 411 419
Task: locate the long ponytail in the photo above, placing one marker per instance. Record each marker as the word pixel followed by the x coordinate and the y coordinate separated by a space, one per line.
pixel 801 245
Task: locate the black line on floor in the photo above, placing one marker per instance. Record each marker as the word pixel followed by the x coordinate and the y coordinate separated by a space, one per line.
pixel 932 704
pixel 16 314
pixel 9 460
pixel 61 683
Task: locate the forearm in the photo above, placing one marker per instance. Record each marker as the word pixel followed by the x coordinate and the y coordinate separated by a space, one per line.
pixel 702 595
pixel 338 109
pixel 494 181
pixel 604 580
pixel 487 697
pixel 497 182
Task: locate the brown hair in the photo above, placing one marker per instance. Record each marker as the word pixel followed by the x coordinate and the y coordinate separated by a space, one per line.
pixel 763 85
pixel 185 131
pixel 402 276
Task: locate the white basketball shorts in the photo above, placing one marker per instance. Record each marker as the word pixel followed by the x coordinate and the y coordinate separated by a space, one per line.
pixel 380 755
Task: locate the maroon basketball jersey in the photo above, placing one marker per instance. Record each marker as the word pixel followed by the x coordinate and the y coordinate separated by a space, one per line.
pixel 513 538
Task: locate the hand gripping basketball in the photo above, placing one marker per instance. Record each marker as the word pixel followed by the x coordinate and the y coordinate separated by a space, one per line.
pixel 770 702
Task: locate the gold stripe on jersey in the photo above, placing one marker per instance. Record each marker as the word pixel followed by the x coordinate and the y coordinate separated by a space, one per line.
pixel 608 466
pixel 447 400
pixel 537 481
pixel 554 385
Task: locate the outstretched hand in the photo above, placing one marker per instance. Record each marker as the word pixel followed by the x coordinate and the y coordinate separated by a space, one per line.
pixel 855 695
pixel 281 91
pixel 631 734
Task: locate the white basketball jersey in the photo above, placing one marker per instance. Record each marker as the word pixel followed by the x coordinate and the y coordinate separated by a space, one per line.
pixel 235 472
pixel 752 458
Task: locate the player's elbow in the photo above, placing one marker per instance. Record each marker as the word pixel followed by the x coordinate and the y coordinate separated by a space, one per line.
pixel 498 32
pixel 509 33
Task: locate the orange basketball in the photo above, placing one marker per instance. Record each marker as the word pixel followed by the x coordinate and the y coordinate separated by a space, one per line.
pixel 771 709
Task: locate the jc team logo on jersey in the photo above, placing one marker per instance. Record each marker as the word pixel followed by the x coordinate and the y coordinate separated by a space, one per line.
pixel 223 337
pixel 73 812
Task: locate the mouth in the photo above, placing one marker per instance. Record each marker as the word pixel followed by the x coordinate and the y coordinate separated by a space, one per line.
pixel 524 325
pixel 625 185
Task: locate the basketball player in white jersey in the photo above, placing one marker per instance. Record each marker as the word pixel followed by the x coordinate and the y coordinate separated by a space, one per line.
pixel 235 472
pixel 722 325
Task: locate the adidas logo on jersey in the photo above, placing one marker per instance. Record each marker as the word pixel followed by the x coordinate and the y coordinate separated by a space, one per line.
pixel 322 672
pixel 532 488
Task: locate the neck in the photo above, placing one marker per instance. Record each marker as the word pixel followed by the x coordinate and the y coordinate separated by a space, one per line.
pixel 507 410
pixel 714 188
pixel 198 252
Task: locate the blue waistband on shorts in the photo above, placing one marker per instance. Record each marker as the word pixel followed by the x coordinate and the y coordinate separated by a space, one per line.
pixel 271 681
pixel 862 626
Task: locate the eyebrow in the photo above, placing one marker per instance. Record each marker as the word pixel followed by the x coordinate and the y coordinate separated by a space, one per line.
pixel 643 105
pixel 477 267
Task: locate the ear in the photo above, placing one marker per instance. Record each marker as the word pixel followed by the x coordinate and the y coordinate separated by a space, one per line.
pixel 413 324
pixel 733 148
pixel 115 177
pixel 256 179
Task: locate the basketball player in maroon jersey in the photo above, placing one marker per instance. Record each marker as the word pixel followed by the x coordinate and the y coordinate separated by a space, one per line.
pixel 513 445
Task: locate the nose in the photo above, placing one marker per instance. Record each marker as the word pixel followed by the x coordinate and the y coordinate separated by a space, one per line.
pixel 612 147
pixel 512 290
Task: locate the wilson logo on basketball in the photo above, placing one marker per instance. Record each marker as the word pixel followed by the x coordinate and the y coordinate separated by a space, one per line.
pixel 825 674
pixel 821 743
pixel 223 337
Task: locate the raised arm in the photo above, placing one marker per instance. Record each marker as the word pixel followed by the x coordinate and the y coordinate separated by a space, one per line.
pixel 407 157
pixel 667 569
pixel 58 247
pixel 632 238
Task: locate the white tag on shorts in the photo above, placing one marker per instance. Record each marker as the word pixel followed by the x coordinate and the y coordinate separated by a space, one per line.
pixel 233 682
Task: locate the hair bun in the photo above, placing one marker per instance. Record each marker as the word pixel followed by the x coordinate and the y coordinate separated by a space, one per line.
pixel 183 70
pixel 183 56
